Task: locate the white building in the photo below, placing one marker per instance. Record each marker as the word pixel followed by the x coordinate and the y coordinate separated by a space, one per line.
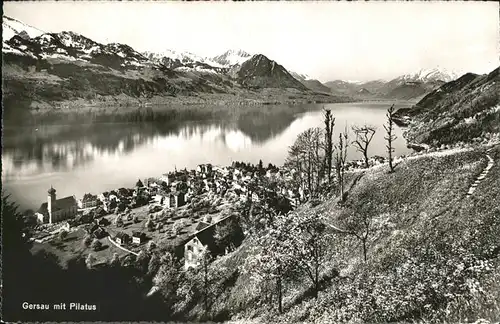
pixel 56 210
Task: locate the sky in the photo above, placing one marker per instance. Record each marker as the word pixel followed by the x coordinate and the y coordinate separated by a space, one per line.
pixel 326 40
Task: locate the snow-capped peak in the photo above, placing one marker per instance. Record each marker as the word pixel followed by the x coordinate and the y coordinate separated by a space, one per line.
pixel 12 27
pixel 231 58
pixel 184 57
pixel 432 74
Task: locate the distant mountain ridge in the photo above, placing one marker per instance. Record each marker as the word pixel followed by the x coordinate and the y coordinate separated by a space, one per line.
pixel 310 83
pixel 405 87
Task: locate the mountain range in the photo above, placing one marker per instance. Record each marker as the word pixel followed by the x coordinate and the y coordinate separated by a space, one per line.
pixel 68 70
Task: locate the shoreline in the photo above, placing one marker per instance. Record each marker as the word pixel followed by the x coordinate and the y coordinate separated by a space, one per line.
pixel 274 97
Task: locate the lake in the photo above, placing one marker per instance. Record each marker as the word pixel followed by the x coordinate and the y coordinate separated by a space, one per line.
pixel 76 159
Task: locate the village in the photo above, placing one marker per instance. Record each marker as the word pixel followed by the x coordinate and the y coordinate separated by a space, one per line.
pixel 181 208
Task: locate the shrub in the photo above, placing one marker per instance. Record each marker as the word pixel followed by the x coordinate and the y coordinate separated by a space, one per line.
pixel 96 245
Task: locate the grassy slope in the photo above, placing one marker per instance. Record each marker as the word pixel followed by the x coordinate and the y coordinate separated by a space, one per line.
pixel 433 256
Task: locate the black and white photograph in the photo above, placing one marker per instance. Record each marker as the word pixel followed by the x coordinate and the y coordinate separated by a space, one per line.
pixel 251 162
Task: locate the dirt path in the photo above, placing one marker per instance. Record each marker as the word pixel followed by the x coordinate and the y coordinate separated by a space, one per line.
pixel 483 174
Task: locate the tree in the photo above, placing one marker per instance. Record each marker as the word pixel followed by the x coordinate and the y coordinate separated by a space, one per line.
pixel 167 276
pixel 359 222
pixel 341 160
pixel 115 260
pixel 87 240
pixel 151 246
pixel 309 243
pixel 136 219
pixel 390 137
pixel 142 261
pixel 154 264
pixel 178 226
pixel 272 260
pixel 90 260
pixel 364 136
pixel 207 280
pixel 63 234
pixel 227 233
pixel 149 225
pixel 261 167
pixel 329 121
pixel 305 156
pixel 113 205
pixel 119 221
pixel 139 184
pixel 96 245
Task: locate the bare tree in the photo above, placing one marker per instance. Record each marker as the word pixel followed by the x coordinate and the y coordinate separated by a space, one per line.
pixel 360 217
pixel 390 137
pixel 306 157
pixel 364 136
pixel 341 160
pixel 329 124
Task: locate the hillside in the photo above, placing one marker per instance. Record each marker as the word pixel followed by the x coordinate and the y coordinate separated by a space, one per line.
pixel 432 251
pixel 463 110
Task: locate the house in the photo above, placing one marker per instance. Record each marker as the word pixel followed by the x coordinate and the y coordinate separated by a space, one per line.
pixel 56 210
pixel 175 199
pixel 205 238
pixel 204 168
pixel 168 178
pixel 138 237
pixel 122 238
pixel 88 201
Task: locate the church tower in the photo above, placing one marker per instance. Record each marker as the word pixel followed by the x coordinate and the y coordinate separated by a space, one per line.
pixel 51 200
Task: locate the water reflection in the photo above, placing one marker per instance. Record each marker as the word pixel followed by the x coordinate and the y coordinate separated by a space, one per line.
pixel 79 159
